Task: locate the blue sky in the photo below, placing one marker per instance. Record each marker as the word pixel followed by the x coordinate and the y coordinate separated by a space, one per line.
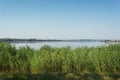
pixel 60 19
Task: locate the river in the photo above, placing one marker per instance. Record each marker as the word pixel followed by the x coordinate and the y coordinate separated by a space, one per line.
pixel 38 45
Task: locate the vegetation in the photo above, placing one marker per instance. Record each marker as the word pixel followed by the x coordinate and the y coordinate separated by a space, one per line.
pixel 16 40
pixel 60 76
pixel 60 62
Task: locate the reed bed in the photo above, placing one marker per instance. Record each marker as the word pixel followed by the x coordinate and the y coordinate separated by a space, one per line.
pixel 101 59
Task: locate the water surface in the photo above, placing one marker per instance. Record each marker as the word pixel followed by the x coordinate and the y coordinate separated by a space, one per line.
pixel 38 45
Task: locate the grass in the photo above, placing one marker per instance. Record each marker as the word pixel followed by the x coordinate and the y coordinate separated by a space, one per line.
pixel 60 76
pixel 49 63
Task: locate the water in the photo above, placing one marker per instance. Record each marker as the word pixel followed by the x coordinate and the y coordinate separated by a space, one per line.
pixel 38 45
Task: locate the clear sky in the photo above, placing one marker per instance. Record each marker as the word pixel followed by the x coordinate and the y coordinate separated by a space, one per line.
pixel 60 19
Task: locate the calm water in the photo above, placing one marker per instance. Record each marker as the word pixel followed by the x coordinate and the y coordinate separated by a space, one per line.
pixel 38 45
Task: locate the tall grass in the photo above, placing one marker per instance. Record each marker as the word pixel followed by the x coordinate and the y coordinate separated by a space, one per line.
pixel 103 59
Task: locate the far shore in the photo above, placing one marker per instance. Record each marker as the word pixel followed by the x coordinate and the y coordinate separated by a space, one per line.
pixel 15 40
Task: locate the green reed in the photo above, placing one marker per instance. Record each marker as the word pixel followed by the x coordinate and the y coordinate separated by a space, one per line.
pixel 101 59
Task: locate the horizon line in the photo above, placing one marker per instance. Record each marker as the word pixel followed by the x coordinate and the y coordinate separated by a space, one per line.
pixel 60 39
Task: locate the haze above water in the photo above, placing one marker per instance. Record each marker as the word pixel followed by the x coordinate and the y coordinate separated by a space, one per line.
pixel 38 45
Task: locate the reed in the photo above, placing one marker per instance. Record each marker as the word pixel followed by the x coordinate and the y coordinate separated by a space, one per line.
pixel 101 59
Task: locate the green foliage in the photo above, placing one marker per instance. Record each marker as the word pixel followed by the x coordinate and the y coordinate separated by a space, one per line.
pixel 103 59
pixel 60 76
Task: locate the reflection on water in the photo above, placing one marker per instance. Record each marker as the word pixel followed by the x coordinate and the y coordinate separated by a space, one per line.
pixel 60 44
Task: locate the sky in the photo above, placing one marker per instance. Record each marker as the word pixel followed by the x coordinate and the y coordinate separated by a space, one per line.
pixel 60 19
